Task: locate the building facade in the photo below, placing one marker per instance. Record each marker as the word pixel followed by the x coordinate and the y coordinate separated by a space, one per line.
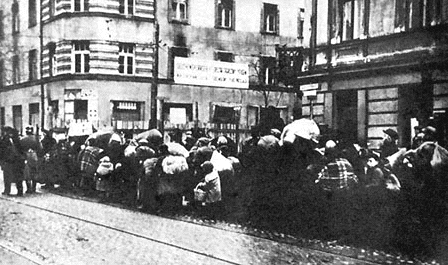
pixel 111 63
pixel 378 64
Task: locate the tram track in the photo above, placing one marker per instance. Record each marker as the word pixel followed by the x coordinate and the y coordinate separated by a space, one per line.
pixel 238 230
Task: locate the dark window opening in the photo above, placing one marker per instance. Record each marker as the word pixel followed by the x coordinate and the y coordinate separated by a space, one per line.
pixel 267 70
pixel 270 18
pixel 225 115
pixel 127 111
pixel 32 65
pixel 80 109
pixel 33 118
pixel 176 52
pixel 17 117
pixel 2 116
pixel 224 56
pixel 225 14
pixel 347 115
pixel 32 19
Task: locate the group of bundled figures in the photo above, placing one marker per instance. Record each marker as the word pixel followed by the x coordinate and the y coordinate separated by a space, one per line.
pixel 279 169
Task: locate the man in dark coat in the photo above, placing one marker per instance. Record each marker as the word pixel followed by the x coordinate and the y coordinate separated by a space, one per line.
pixel 389 146
pixel 11 160
pixel 33 150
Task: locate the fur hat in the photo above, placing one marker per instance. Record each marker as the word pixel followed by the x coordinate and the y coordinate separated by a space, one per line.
pixel 392 133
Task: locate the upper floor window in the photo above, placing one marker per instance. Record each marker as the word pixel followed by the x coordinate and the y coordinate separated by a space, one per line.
pixel 126 58
pixel 224 56
pixel 225 14
pixel 32 64
pixel 2 116
pixel 15 17
pixel 81 56
pixel 52 58
pixel 2 30
pixel 300 23
pixel 176 52
pixel 2 73
pixel 352 15
pixel 410 14
pixel 178 10
pixel 126 7
pixel 15 69
pixel 52 7
pixel 32 19
pixel 270 18
pixel 267 70
pixel 80 5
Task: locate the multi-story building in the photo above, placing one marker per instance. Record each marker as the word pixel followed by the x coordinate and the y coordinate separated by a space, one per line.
pixel 65 61
pixel 379 64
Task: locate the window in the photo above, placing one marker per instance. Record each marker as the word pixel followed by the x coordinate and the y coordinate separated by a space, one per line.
pixel 34 113
pixel 224 56
pixel 179 10
pixel 15 69
pixel 411 14
pixel 15 17
pixel 75 109
pixel 300 23
pixel 17 117
pixel 81 54
pixel 126 7
pixel 177 113
pixel 81 5
pixel 52 7
pixel 127 110
pixel 225 114
pixel 2 25
pixel 352 15
pixel 2 116
pixel 32 20
pixel 270 18
pixel 2 73
pixel 267 70
pixel 225 14
pixel 32 64
pixel 176 52
pixel 126 58
pixel 53 67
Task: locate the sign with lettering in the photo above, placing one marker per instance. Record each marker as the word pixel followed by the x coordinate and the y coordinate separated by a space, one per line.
pixel 210 73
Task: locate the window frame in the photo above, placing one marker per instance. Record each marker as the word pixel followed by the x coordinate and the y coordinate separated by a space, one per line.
pixel 270 16
pixel 221 56
pixel 118 113
pixel 123 52
pixel 175 14
pixel 15 17
pixel 2 116
pixel 32 13
pixel 221 16
pixel 2 26
pixel 33 113
pixel 267 70
pixel 167 106
pixel 32 64
pixel 84 53
pixel 357 17
pixel 52 59
pixel 15 69
pixel 83 5
pixel 126 7
pixel 176 51
pixel 300 23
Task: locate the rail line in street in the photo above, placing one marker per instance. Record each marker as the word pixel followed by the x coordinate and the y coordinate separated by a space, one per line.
pixel 354 260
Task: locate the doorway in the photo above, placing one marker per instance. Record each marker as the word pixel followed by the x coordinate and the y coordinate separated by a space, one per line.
pixel 414 103
pixel 346 106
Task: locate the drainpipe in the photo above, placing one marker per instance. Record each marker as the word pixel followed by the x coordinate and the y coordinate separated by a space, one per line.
pixel 155 71
pixel 42 87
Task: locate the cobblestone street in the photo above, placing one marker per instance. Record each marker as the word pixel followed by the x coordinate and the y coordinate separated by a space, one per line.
pixel 50 229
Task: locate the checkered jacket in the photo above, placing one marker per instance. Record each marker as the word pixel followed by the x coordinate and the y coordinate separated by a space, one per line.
pixel 338 174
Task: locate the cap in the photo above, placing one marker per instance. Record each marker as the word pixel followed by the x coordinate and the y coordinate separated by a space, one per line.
pixel 393 134
pixel 429 129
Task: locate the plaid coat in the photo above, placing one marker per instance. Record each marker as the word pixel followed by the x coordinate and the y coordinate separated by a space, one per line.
pixel 338 174
pixel 89 159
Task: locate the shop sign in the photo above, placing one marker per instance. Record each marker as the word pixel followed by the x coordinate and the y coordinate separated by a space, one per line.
pixel 210 73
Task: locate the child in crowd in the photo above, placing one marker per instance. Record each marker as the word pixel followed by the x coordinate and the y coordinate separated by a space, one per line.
pixel 211 184
pixel 375 175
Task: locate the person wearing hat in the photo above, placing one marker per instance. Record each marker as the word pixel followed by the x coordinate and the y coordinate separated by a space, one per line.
pixel 374 175
pixel 429 134
pixel 33 150
pixel 389 145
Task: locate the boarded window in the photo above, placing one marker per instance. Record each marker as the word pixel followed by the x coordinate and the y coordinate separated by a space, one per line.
pixel 224 114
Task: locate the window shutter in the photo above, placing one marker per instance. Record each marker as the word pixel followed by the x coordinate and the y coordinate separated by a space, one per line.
pixel 277 22
pixel 218 9
pixel 262 20
pixel 86 5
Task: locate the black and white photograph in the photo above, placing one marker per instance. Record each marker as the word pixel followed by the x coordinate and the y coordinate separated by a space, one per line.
pixel 223 132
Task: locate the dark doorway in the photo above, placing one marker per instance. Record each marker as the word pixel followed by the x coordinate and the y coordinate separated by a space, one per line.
pixel 414 102
pixel 346 102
